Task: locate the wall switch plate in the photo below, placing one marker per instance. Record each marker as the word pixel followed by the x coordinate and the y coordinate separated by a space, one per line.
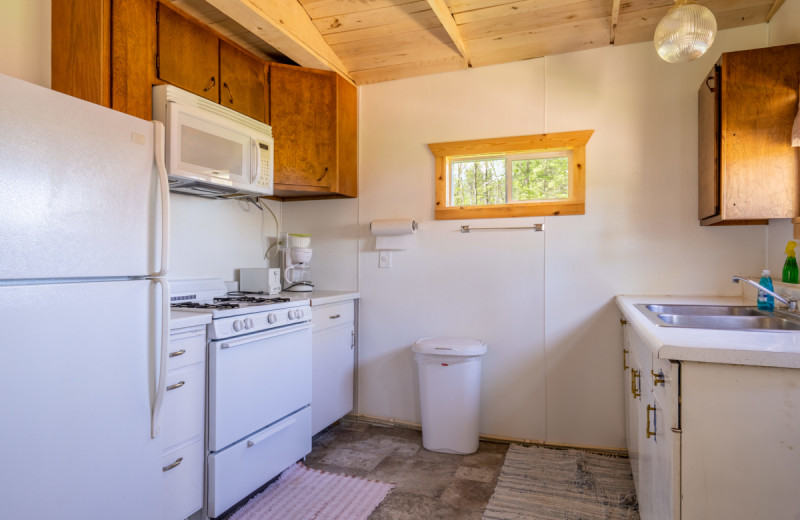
pixel 384 259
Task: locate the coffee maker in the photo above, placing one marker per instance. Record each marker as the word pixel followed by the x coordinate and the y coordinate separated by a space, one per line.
pixel 295 257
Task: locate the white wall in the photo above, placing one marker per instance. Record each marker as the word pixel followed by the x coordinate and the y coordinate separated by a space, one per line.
pixel 543 302
pixel 25 40
pixel 214 238
pixel 784 29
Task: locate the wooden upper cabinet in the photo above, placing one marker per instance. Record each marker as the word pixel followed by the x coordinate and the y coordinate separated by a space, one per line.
pixel 708 145
pixel 188 54
pixel 243 82
pixel 81 49
pixel 303 119
pixel 346 137
pixel 747 170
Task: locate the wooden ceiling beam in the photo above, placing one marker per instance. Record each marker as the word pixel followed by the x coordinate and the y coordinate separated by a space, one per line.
pixel 614 20
pixel 774 9
pixel 448 22
pixel 285 25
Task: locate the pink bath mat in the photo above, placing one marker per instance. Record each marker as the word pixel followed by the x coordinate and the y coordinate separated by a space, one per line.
pixel 302 493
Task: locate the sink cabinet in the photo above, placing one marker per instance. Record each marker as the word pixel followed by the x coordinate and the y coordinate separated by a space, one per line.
pixel 710 440
pixel 652 428
pixel 747 169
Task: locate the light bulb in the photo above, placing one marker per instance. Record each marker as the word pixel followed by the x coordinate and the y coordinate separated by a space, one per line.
pixel 685 33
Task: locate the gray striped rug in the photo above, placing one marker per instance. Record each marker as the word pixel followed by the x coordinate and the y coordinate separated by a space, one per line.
pixel 554 484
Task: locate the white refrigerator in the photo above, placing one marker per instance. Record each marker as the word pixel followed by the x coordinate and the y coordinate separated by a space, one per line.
pixel 83 308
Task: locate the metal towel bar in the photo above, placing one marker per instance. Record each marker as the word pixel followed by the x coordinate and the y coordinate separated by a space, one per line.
pixel 535 227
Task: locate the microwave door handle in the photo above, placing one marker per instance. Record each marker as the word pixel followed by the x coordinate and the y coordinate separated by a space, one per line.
pixel 159 152
pixel 256 172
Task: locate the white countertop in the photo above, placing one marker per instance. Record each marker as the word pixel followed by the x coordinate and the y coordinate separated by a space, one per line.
pixel 179 319
pixel 321 297
pixel 772 349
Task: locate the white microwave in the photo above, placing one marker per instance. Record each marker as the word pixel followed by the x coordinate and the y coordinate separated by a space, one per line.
pixel 211 150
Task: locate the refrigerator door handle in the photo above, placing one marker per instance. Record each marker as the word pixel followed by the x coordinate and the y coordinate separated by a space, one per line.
pixel 159 148
pixel 161 390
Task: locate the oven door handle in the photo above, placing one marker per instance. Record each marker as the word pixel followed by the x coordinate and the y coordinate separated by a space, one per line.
pixel 264 335
pixel 269 432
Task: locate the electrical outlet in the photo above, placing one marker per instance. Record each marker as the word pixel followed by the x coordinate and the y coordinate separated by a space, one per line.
pixel 384 259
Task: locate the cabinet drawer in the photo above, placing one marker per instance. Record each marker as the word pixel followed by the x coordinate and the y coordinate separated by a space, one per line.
pixel 186 347
pixel 243 467
pixel 183 482
pixel 331 315
pixel 184 404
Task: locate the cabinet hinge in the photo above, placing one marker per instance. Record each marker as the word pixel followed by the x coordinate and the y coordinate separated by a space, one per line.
pixel 158 65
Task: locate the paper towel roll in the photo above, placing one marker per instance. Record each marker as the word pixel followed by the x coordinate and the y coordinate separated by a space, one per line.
pixel 393 227
pixel 394 233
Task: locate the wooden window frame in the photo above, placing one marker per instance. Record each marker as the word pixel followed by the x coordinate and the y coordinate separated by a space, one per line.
pixel 575 204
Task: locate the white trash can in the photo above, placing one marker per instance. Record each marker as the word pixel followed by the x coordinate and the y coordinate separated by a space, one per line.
pixel 449 392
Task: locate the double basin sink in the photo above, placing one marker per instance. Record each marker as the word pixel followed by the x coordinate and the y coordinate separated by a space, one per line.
pixel 720 317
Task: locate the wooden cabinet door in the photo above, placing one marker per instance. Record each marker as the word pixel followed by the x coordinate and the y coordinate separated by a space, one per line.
pixel 242 82
pixel 708 145
pixel 303 118
pixel 346 137
pixel 188 54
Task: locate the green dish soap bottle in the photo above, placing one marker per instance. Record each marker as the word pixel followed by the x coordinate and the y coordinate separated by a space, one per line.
pixel 765 301
pixel 790 273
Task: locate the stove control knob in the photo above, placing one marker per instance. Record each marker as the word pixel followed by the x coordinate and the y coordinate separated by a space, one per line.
pixel 237 325
pixel 292 314
pixel 248 323
pixel 271 318
pixel 300 313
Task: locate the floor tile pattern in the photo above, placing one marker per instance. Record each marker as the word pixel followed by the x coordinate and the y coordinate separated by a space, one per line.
pixel 428 485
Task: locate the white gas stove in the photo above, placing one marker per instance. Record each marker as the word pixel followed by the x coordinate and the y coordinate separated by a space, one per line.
pixel 236 313
pixel 259 386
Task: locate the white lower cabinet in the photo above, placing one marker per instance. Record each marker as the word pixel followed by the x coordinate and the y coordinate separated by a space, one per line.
pixel 711 441
pixel 333 362
pixel 183 423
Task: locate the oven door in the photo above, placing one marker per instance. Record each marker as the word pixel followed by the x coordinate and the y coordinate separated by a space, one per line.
pixel 255 380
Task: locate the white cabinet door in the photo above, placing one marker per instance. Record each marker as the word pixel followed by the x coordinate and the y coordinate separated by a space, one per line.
pixel 332 369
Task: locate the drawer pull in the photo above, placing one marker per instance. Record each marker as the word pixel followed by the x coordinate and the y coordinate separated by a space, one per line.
pixel 625 359
pixel 335 316
pixel 636 389
pixel 659 379
pixel 655 426
pixel 271 431
pixel 178 353
pixel 173 465
pixel 176 385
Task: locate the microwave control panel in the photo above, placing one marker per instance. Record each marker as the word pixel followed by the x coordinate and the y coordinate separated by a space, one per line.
pixel 265 155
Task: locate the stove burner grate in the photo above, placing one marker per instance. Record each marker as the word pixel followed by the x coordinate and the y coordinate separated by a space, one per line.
pixel 195 305
pixel 243 298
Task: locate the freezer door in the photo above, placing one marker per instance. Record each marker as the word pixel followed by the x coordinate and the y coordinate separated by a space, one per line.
pixel 77 380
pixel 79 188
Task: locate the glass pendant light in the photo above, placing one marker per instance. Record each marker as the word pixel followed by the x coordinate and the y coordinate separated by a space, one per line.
pixel 685 33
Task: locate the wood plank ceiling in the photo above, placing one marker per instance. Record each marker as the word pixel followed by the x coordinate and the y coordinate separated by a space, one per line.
pixel 370 41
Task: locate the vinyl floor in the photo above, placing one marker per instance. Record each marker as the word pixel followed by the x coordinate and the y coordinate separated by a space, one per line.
pixel 428 485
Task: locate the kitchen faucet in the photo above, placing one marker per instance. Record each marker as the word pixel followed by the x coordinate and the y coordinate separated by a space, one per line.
pixel 791 302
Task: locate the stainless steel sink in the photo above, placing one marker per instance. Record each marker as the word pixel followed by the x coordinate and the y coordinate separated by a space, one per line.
pixel 704 310
pixel 719 317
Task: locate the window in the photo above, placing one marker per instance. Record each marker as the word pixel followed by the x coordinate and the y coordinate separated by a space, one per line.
pixel 533 175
